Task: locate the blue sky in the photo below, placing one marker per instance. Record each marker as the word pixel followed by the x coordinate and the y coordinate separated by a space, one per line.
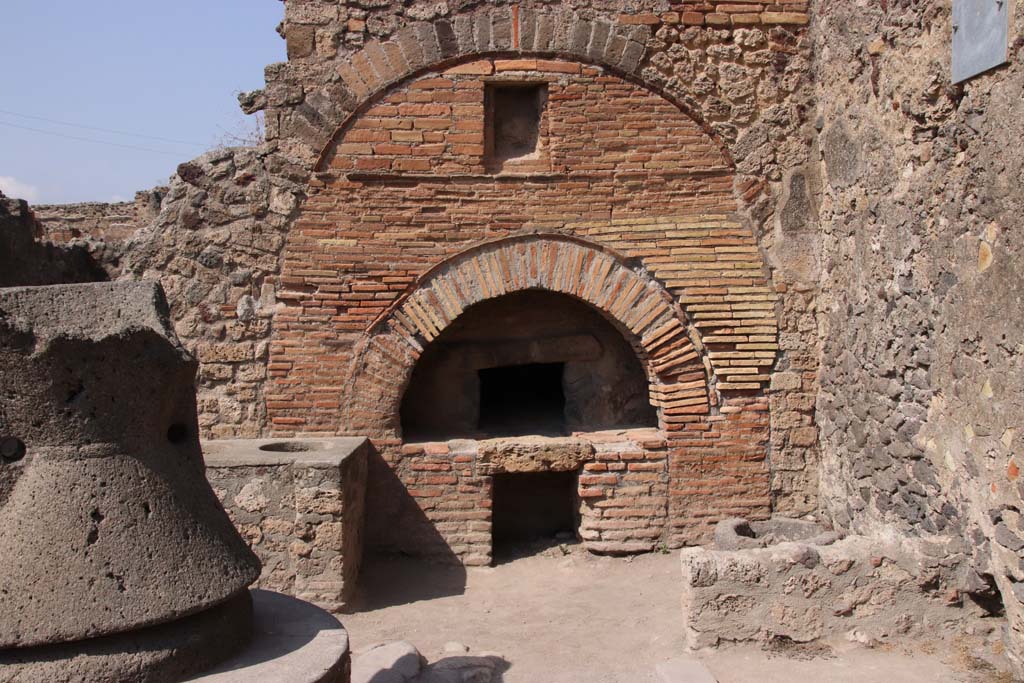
pixel 166 70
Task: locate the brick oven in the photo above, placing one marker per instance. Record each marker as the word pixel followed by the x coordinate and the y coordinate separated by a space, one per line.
pixel 524 279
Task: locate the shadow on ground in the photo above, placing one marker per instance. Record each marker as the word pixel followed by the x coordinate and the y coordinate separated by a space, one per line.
pixel 388 580
pixel 406 559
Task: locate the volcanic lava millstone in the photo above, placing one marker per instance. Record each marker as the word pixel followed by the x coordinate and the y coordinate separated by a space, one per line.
pixel 115 554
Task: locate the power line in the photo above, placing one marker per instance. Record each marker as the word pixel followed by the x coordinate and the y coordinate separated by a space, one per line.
pixel 101 130
pixel 98 142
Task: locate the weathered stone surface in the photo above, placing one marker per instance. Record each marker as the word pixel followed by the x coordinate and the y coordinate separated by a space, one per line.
pixel 293 642
pixel 107 509
pixel 922 293
pixel 532 454
pixel 26 261
pixel 164 653
pixel 739 534
pixel 300 504
pixel 396 662
pixel 883 588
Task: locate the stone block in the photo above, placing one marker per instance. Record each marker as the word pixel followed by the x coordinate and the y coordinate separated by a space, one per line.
pixel 786 381
pixel 297 496
pixel 301 40
pixel 532 454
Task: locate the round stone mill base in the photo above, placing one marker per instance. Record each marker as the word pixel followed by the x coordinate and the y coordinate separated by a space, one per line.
pixel 157 654
pixel 292 642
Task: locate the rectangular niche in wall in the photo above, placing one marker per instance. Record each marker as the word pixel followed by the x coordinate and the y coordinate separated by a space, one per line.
pixel 514 112
pixel 532 506
pixel 522 399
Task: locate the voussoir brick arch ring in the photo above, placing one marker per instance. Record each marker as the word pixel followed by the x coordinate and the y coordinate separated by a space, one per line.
pixel 369 74
pixel 628 297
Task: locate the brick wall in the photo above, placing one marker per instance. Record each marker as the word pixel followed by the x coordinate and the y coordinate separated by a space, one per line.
pixel 730 14
pixel 622 497
pixel 371 229
pixel 110 222
pixel 406 188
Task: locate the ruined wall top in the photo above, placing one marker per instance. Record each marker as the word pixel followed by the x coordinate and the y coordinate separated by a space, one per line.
pixel 341 54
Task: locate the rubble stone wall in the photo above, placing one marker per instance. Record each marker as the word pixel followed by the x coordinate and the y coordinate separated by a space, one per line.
pixel 215 248
pixel 868 590
pixel 922 296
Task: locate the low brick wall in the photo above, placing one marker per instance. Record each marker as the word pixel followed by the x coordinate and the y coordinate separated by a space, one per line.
pixel 110 222
pixel 622 492
pixel 300 505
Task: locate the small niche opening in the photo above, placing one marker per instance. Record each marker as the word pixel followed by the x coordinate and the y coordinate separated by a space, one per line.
pixel 530 509
pixel 514 113
pixel 522 399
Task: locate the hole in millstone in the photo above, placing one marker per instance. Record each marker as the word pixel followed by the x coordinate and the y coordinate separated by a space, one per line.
pixel 12 449
pixel 74 392
pixel 177 433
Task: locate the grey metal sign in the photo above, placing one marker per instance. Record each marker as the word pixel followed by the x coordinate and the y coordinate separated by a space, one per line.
pixel 981 31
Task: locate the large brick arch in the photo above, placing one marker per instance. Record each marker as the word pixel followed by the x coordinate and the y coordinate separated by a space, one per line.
pixel 626 295
pixel 422 47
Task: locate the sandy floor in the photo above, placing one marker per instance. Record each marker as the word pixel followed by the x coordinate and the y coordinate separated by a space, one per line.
pixel 572 617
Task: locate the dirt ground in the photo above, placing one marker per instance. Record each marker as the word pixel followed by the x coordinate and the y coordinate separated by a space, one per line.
pixel 561 615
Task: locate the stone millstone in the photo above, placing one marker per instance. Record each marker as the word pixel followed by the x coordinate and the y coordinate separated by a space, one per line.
pixel 107 523
pixel 165 653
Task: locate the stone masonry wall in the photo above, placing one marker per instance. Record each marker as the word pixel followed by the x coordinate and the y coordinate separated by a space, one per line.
pixel 875 591
pixel 922 368
pixel 215 248
pixel 300 506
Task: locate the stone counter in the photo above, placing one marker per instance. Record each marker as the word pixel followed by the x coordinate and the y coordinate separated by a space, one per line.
pixel 300 505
